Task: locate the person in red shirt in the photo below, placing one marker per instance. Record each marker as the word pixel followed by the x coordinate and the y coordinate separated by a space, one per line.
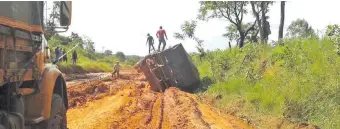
pixel 160 35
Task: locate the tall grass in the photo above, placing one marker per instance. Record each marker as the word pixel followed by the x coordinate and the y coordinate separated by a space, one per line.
pixel 87 61
pixel 86 65
pixel 298 81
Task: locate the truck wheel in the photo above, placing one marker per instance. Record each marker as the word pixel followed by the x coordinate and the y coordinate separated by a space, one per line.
pixel 57 118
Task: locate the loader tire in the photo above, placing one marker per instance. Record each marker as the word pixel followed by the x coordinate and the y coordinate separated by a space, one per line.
pixel 57 118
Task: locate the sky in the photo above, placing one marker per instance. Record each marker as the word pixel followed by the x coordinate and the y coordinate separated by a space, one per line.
pixel 123 25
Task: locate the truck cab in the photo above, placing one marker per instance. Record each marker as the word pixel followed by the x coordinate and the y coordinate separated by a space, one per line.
pixel 32 89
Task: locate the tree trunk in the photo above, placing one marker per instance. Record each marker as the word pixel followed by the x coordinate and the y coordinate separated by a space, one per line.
pixel 237 41
pixel 257 20
pixel 229 46
pixel 242 37
pixel 263 17
pixel 282 21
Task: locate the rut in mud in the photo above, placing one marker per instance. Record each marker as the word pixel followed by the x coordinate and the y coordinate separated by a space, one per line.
pixel 129 103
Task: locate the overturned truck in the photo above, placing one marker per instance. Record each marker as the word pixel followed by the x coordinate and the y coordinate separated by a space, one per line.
pixel 171 67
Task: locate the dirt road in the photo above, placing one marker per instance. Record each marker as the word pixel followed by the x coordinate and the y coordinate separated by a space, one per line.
pixel 129 103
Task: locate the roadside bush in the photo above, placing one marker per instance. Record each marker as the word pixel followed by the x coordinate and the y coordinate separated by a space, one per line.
pixel 298 80
pixel 88 61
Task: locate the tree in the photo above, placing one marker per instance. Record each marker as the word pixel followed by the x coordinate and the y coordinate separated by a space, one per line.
pixel 233 11
pixel 260 9
pixel 121 56
pixel 300 29
pixel 75 39
pixel 333 30
pixel 282 20
pixel 108 52
pixel 333 34
pixel 89 47
pixel 132 59
pixel 52 21
pixel 188 31
pixel 232 33
pixel 88 44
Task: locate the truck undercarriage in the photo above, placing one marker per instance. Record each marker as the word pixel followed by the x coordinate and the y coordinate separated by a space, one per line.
pixel 171 67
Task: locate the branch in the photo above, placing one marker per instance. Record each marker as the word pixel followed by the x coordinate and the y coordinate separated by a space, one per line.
pixel 242 11
pixel 227 17
pixel 250 28
pixel 253 8
pixel 257 32
pixel 235 12
pixel 267 7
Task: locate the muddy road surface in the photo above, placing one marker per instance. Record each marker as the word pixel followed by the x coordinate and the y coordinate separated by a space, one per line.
pixel 128 103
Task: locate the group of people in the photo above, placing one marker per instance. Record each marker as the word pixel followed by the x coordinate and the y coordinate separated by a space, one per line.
pixel 161 35
pixel 61 55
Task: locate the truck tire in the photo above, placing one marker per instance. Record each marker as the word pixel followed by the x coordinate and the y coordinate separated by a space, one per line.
pixel 57 118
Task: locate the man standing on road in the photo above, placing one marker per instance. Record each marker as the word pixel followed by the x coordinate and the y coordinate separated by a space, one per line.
pixel 65 56
pixel 57 53
pixel 160 35
pixel 150 41
pixel 116 70
pixel 74 57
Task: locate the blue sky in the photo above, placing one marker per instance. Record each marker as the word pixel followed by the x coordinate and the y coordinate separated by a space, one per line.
pixel 123 25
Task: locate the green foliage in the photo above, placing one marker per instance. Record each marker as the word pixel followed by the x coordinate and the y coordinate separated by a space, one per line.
pixel 233 11
pixel 333 34
pixel 188 31
pixel 300 29
pixel 232 33
pixel 333 30
pixel 52 21
pixel 298 80
pixel 121 56
pixel 132 59
pixel 108 52
pixel 88 59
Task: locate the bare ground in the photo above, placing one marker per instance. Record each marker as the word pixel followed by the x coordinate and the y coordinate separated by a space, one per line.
pixel 125 103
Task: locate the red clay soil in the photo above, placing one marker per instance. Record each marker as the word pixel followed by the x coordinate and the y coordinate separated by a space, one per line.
pixel 128 103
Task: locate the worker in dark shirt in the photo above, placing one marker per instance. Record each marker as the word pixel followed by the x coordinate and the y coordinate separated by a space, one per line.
pixel 150 41
pixel 160 35
pixel 65 56
pixel 74 57
pixel 57 53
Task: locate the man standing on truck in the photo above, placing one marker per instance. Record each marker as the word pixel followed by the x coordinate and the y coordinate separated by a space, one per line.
pixel 150 41
pixel 116 69
pixel 160 35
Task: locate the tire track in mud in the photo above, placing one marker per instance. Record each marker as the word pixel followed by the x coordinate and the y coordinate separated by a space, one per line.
pixel 187 114
pixel 134 105
pixel 161 116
